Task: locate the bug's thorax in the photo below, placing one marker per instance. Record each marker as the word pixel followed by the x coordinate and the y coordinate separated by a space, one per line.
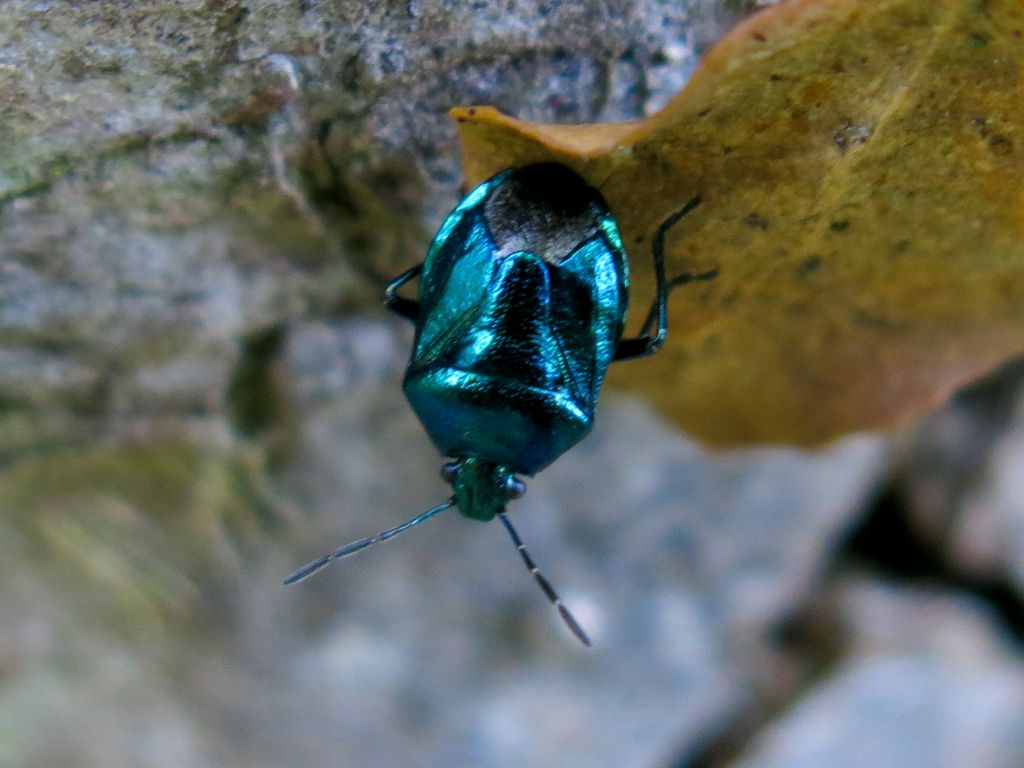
pixel 481 489
pixel 545 210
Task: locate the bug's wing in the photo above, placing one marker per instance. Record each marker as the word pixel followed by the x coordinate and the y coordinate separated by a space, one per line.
pixel 456 276
pixel 588 308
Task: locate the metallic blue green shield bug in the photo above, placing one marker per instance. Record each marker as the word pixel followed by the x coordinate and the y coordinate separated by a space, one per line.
pixel 522 301
pixel 521 307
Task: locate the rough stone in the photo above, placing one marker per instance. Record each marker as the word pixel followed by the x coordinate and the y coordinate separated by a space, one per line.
pixel 928 680
pixel 988 538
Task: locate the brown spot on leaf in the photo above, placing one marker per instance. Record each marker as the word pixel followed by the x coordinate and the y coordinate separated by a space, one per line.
pixel 809 265
pixel 901 247
pixel 1000 144
pixel 851 134
pixel 876 322
pixel 756 222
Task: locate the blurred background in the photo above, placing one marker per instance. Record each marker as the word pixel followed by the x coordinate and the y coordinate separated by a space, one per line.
pixel 200 201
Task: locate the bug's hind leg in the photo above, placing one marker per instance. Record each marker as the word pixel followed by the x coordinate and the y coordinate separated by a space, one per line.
pixel 407 308
pixel 645 344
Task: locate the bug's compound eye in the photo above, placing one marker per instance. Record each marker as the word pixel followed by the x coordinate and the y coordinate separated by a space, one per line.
pixel 449 472
pixel 514 487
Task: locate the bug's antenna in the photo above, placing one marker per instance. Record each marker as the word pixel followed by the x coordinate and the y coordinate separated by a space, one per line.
pixel 531 566
pixel 357 546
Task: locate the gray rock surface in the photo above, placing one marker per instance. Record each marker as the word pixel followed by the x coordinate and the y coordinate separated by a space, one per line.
pixel 927 681
pixel 988 538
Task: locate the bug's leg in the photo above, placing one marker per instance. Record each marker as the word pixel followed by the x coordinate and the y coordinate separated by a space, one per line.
pixel 407 308
pixel 646 344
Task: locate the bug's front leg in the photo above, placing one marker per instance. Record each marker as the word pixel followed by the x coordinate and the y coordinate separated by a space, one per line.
pixel 407 308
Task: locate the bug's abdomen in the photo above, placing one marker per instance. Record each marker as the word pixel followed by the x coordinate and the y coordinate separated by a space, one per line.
pixel 503 389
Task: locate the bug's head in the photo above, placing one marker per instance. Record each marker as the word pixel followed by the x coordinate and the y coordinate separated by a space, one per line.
pixel 481 488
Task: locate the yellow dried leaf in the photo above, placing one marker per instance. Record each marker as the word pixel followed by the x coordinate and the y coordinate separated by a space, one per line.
pixel 861 166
